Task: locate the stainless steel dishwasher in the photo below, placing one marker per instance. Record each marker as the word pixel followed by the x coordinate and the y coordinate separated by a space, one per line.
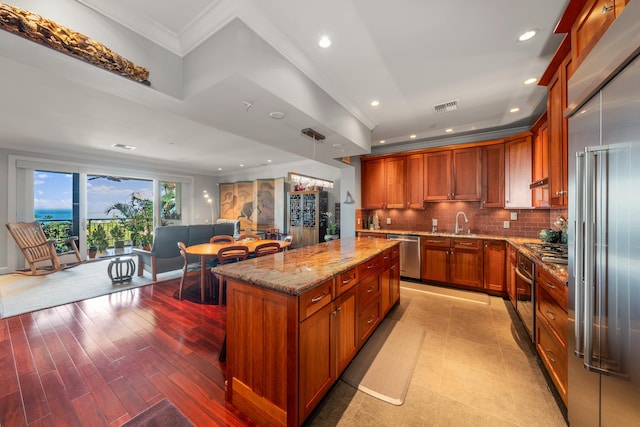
pixel 409 255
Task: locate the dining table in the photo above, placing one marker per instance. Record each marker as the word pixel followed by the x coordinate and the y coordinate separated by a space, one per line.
pixel 210 250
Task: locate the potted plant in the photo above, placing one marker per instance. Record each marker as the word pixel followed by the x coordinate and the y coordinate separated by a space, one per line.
pixel 97 238
pixel 145 239
pixel 117 233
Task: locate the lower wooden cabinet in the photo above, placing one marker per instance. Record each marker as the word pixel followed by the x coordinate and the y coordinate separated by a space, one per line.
pixel 466 262
pixel 345 334
pixel 495 261
pixel 552 328
pixel 511 274
pixel 435 258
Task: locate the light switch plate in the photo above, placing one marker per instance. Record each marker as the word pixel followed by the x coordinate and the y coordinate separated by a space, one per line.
pixel 388 220
pixel 514 216
pixel 506 224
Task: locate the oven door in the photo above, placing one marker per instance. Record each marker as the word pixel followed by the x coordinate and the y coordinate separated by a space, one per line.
pixel 525 296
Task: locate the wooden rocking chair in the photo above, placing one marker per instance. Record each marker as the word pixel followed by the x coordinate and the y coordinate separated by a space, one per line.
pixel 37 248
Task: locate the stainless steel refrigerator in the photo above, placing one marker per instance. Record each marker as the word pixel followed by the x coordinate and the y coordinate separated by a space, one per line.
pixel 604 235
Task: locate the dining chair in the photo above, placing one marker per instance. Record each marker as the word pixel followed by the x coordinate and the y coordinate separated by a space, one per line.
pixel 267 249
pixel 248 237
pixel 188 270
pixel 222 238
pixel 227 255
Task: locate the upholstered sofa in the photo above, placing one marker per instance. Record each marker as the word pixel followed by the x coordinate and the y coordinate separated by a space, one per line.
pixel 165 255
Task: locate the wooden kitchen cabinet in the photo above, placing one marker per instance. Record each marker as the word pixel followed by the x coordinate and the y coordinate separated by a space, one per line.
pixel 453 174
pixel 415 181
pixel 346 337
pixel 466 261
pixel 435 258
pixel 384 182
pixel 390 279
pixel 558 135
pixel 518 172
pixel 493 176
pixel 495 261
pixel 552 328
pixel 540 193
pixel 372 235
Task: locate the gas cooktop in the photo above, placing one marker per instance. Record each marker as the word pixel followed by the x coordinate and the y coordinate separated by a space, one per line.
pixel 550 252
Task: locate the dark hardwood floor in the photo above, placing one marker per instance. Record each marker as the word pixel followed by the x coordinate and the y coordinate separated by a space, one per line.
pixel 100 362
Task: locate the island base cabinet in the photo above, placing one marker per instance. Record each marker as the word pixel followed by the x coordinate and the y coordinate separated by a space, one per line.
pixel 259 345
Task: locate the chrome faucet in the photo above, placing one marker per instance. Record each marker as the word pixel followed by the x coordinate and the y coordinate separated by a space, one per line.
pixel 459 228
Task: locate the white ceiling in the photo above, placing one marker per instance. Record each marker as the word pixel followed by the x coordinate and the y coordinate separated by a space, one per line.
pixel 408 54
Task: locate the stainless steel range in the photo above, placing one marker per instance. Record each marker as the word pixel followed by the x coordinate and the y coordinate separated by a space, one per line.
pixel 550 252
pixel 526 293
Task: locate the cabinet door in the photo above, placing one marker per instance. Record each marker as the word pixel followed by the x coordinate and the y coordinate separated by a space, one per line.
pixel 511 276
pixel 518 173
pixel 593 21
pixel 493 176
pixel 385 288
pixel 346 338
pixel 558 140
pixel 466 262
pixel 437 176
pixel 396 183
pixel 394 278
pixel 494 265
pixel 435 263
pixel 372 181
pixel 540 195
pixel 467 174
pixel 415 181
pixel 317 361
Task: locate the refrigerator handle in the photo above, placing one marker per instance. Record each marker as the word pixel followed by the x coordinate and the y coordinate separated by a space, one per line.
pixel 588 243
pixel 578 256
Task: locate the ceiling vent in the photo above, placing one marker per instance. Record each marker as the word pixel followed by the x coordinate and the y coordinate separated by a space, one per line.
pixel 313 134
pixel 446 107
pixel 124 147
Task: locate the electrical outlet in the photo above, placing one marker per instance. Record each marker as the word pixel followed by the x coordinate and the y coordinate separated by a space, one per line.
pixel 358 221
pixel 388 221
pixel 514 216
pixel 506 224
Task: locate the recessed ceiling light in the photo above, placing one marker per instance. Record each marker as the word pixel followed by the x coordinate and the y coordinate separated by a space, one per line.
pixel 448 130
pixel 383 141
pixel 324 42
pixel 514 110
pixel 277 115
pixel 337 145
pixel 375 103
pixel 268 161
pixel 219 169
pixel 530 81
pixel 414 136
pixel 527 35
pixel 241 166
pixel 124 147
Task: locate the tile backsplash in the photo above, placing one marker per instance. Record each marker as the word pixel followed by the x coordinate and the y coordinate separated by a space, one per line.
pixel 529 222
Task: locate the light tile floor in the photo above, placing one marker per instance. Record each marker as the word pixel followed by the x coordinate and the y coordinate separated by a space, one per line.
pixel 476 368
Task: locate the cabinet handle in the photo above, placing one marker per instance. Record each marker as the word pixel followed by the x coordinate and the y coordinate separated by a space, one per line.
pixel 549 285
pixel 606 9
pixel 560 193
pixel 435 241
pixel 344 282
pixel 550 314
pixel 371 319
pixel 548 350
pixel 465 243
pixel 339 308
pixel 318 298
pixel 393 267
pixel 370 290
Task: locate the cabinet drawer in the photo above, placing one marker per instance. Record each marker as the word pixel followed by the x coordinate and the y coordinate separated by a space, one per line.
pixel 553 357
pixel 314 299
pixel 368 320
pixel 557 290
pixel 369 267
pixel 346 281
pixel 467 243
pixel 556 317
pixel 391 253
pixel 437 241
pixel 368 289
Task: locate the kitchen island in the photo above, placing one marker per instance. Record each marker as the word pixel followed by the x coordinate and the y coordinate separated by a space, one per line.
pixel 296 319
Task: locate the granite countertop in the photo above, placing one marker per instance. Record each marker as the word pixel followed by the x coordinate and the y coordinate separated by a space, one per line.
pixel 558 271
pixel 295 271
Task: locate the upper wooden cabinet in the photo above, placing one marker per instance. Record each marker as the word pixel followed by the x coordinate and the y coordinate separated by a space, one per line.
pixel 415 181
pixel 384 183
pixel 592 22
pixel 493 176
pixel 540 193
pixel 517 178
pixel 558 134
pixel 453 174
